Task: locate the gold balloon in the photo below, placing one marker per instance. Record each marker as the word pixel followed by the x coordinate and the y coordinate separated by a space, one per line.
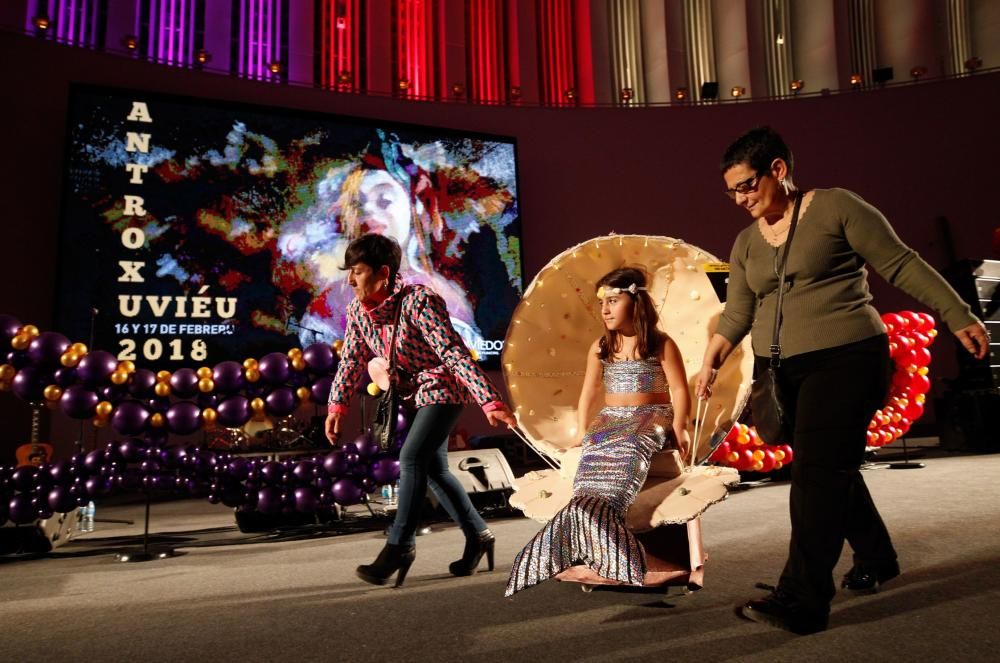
pixel 104 409
pixel 4 385
pixel 52 393
pixel 128 366
pixel 204 372
pixel 20 341
pixel 250 364
pixel 79 348
pixel 7 372
pixel 99 422
pixel 337 346
pixel 303 393
pixel 298 363
pixel 209 415
pixel 157 420
pixel 253 374
pixel 163 376
pixel 373 389
pixel 206 385
pixel 31 331
pixel 294 352
pixel 69 359
pixel 257 404
pixel 119 377
pixel 162 389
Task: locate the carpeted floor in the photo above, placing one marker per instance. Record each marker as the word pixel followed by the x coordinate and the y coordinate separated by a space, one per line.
pixel 231 596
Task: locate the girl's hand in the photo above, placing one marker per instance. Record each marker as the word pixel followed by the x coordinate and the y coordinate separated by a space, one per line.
pixel 333 427
pixel 703 384
pixel 683 440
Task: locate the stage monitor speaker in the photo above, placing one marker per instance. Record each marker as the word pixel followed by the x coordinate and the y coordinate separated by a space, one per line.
pixel 485 475
pixel 882 75
pixel 42 536
pixel 710 90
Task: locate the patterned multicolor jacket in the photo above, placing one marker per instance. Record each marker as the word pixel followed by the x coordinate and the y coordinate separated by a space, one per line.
pixel 427 348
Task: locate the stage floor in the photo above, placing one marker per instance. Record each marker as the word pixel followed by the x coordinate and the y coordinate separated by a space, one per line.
pixel 234 596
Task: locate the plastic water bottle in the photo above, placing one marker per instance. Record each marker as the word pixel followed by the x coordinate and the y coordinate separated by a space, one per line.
pixel 388 494
pixel 87 517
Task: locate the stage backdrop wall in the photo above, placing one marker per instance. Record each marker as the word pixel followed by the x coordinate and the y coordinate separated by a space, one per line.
pixel 917 152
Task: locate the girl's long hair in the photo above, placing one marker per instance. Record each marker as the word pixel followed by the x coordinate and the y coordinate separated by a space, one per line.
pixel 649 339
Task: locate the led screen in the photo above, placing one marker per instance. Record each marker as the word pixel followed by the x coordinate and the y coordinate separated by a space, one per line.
pixel 198 231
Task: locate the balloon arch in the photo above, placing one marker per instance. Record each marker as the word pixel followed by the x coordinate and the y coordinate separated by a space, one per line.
pixel 145 407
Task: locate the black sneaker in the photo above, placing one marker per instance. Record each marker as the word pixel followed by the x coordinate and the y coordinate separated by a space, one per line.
pixel 868 580
pixel 781 610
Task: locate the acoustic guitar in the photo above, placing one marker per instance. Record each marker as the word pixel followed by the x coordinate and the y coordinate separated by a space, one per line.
pixel 34 453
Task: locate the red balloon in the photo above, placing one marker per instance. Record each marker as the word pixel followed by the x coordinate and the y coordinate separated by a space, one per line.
pixel 892 321
pixel 921 356
pixel 913 411
pixel 919 384
pixel 871 438
pixel 768 461
pixel 721 452
pixel 905 358
pixel 745 461
pixel 921 340
pixel 926 322
pixel 788 453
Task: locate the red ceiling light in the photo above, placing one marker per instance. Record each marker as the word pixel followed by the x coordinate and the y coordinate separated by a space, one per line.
pixel 681 94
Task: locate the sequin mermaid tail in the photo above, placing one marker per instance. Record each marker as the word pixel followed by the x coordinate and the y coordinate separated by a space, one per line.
pixel 591 530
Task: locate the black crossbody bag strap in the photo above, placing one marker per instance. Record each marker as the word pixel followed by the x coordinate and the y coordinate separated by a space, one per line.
pixel 775 343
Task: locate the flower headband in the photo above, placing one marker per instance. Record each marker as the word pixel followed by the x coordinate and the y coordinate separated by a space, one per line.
pixel 605 291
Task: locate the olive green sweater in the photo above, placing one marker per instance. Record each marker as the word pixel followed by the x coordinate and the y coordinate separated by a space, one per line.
pixel 827 301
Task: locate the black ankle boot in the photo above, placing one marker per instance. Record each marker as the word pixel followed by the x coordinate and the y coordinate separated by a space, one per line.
pixel 389 560
pixel 781 610
pixel 475 547
pixel 866 579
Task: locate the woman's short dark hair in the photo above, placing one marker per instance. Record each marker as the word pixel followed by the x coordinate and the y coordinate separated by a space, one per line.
pixel 374 251
pixel 758 148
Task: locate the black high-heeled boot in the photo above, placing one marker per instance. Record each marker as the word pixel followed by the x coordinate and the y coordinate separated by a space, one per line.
pixel 475 547
pixel 389 560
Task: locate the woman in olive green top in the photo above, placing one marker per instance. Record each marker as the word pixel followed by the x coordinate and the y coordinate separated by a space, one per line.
pixel 835 365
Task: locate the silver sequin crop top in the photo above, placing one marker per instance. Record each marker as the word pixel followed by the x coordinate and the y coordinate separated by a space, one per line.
pixel 634 376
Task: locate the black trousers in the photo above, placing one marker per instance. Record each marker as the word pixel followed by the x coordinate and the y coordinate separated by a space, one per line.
pixel 832 394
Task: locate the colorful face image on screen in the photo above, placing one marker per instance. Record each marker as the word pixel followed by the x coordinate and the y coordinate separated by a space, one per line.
pixel 196 232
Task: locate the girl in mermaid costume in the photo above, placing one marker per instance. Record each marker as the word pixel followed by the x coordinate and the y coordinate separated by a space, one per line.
pixel 646 410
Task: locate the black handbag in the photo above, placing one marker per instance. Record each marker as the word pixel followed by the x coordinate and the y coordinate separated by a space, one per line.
pixel 389 401
pixel 767 406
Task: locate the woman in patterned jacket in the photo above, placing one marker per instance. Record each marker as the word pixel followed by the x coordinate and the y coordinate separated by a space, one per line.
pixel 431 354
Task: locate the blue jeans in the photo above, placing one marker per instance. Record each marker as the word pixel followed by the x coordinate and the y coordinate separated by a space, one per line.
pixel 423 459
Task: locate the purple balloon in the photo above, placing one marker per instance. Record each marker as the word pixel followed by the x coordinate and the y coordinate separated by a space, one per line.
pixel 228 377
pixel 234 411
pixel 60 499
pixel 183 418
pixel 274 368
pixel 368 485
pixel 347 492
pixel 78 402
pixel 114 393
pixel 132 450
pixel 402 421
pixel 272 472
pixel 335 463
pixel 96 367
pixel 158 405
pixel 40 504
pixel 65 377
pixel 366 445
pixel 30 382
pixel 93 461
pixel 349 449
pixel 9 326
pixel 23 478
pixel 98 486
pixel 130 418
pixel 280 402
pixel 305 499
pixel 238 468
pixel 18 359
pixel 47 348
pixel 319 358
pixel 320 389
pixel 207 400
pixel 184 382
pixel 142 383
pixel 61 474
pixel 21 510
pixel 174 457
pixel 385 470
pixel 305 471
pixel 269 499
